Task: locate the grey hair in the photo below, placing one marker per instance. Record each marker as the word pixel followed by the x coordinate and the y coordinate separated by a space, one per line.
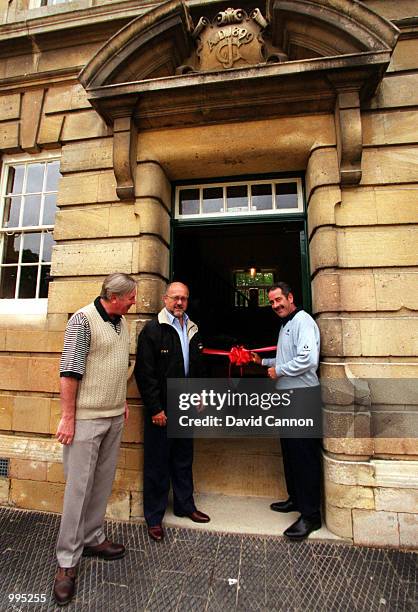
pixel 117 283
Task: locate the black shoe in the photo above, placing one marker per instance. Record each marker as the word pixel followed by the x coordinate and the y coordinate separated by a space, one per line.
pixel 284 506
pixel 302 528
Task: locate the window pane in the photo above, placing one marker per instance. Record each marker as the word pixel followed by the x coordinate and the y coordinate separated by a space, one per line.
pixel 31 210
pixel 189 202
pixel 237 198
pixel 52 176
pixel 213 201
pixel 31 248
pixel 47 249
pixel 11 211
pixel 27 285
pixel 35 177
pixel 261 197
pixel 50 209
pixel 11 248
pixel 286 195
pixel 45 280
pixel 8 282
pixel 15 179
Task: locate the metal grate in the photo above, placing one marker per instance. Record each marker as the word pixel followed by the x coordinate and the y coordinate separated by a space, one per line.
pixel 4 467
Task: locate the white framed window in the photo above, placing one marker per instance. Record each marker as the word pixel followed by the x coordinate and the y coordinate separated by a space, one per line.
pixel 28 204
pixel 232 199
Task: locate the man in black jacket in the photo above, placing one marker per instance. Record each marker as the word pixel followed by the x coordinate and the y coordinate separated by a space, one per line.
pixel 168 347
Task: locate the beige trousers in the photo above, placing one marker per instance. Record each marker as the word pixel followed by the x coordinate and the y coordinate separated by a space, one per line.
pixel 89 467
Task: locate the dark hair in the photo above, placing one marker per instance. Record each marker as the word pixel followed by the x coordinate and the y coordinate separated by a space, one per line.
pixel 285 288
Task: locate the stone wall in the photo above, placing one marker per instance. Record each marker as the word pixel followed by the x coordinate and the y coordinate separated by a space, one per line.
pixel 363 247
pixel 363 265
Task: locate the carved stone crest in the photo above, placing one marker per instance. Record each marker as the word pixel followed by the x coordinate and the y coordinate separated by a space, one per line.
pixel 232 40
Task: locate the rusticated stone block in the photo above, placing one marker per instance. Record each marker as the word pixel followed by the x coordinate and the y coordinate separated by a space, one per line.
pixel 323 249
pixel 349 496
pixel 127 480
pixel 62 99
pixel 349 472
pixel 6 411
pixel 338 520
pixel 373 528
pixel 405 55
pixel 395 446
pixel 378 246
pixel 92 258
pixel 323 169
pixel 392 164
pixel 151 182
pixel 150 294
pixel 396 91
pixel 82 125
pixel 96 154
pixel 31 413
pixel 151 256
pixel 68 296
pixel 78 223
pixel 137 505
pixel 43 374
pixel 87 188
pixel 408 530
pixel 24 469
pixel 10 107
pixel 123 221
pixel 66 57
pixel 390 128
pixel 396 500
pixel 118 506
pixel 131 432
pixel 322 207
pixel 55 472
pixel 153 218
pixel 350 447
pixel 9 136
pixel 4 490
pixel 32 495
pixel 13 372
pixel 55 407
pixel 50 130
pixel 30 119
pixel 34 341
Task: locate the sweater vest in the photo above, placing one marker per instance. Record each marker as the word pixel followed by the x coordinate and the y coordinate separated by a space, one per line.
pixel 102 390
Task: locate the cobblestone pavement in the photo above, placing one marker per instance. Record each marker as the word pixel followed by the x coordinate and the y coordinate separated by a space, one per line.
pixel 200 571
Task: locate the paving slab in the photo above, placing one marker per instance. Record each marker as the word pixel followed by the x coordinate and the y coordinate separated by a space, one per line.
pixel 199 570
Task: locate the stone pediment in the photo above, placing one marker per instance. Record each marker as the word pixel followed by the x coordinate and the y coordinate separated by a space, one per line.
pixel 177 66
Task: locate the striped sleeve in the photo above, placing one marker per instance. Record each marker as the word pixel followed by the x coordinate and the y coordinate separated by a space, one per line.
pixel 76 347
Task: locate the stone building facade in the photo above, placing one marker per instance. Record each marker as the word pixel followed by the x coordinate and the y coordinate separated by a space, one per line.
pixel 129 101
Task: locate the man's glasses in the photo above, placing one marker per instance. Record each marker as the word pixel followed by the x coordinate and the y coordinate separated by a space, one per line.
pixel 177 298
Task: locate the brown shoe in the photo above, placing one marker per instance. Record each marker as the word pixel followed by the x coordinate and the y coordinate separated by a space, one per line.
pixel 156 533
pixel 196 516
pixel 106 550
pixel 64 585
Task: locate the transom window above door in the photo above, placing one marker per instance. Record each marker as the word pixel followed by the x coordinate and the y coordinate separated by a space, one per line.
pixel 279 196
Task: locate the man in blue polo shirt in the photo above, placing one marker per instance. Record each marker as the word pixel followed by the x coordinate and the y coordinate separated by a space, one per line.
pixel 294 367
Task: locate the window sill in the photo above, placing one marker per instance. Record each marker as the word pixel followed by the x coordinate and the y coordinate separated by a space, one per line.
pixel 24 307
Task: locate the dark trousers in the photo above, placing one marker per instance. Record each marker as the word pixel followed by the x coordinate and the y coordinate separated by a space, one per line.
pixel 302 470
pixel 166 460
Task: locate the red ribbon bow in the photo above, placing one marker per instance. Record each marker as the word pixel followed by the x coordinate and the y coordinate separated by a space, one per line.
pixel 238 355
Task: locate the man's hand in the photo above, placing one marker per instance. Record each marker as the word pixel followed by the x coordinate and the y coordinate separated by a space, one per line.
pixel 256 358
pixel 126 411
pixel 159 419
pixel 65 431
pixel 271 372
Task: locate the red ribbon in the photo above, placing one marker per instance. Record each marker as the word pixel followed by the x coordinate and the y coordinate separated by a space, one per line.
pixel 238 355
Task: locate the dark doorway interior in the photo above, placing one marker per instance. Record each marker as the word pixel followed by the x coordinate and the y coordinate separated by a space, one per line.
pixel 213 260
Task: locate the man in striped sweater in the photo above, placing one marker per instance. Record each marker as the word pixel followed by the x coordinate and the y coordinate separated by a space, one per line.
pixel 93 377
